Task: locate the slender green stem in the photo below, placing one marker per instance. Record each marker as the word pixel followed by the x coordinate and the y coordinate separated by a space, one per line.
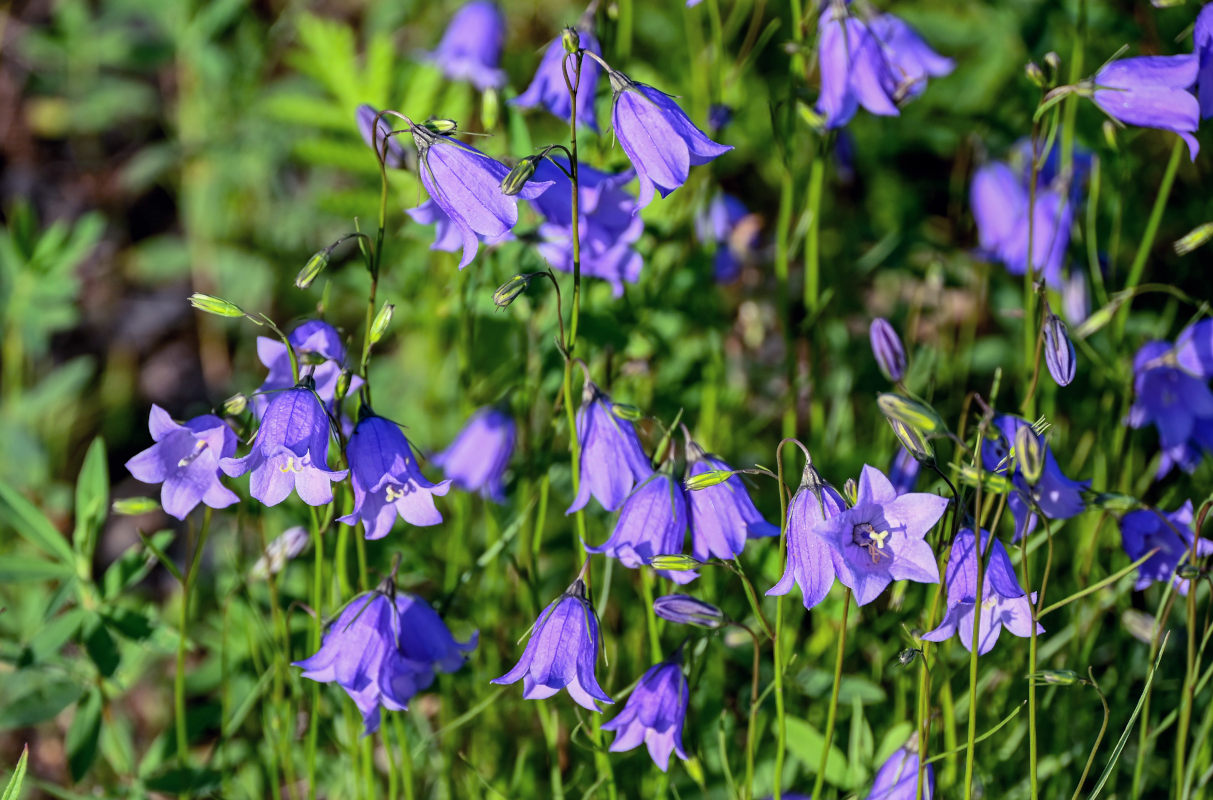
pixel 753 715
pixel 973 653
pixel 777 656
pixel 1103 728
pixel 812 252
pixel 179 682
pixel 646 586
pixel 752 597
pixel 313 727
pixel 832 712
pixel 406 757
pixel 1029 282
pixel 1027 582
pixel 1188 697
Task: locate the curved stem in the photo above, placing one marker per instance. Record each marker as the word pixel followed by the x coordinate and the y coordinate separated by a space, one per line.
pixel 777 656
pixel 179 683
pixel 832 713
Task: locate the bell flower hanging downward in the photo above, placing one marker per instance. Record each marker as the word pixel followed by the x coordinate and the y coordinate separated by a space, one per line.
pixel 185 459
pixel 810 563
pixel 658 137
pixel 476 461
pixel 548 88
pixel 897 778
pixel 612 460
pixel 655 713
pixel 471 46
pixel 1171 392
pixel 652 522
pixel 562 652
pixel 1003 601
pixel 1056 496
pixel 290 451
pixel 722 516
pixel 1168 532
pixel 321 356
pixel 387 480
pixel 1151 92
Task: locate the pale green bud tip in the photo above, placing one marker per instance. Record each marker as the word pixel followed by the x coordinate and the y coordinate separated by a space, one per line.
pixel 215 305
pixel 625 411
pixel 914 442
pixel 134 506
pixel 381 322
pixel 810 116
pixel 995 482
pixel 314 266
pixel 490 108
pixel 676 562
pixel 513 183
pixel 235 405
pixel 1052 60
pixel 343 384
pixel 509 291
pixel 1194 239
pixel 570 40
pixel 1035 74
pixel 703 480
pixel 1029 454
pixel 913 413
pixel 442 127
pixel 1059 677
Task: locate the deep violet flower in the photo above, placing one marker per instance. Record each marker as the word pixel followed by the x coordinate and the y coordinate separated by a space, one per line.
pixel 321 355
pixel 382 652
pixel 476 461
pixel 562 652
pixel 612 460
pixel 1170 532
pixel 1152 92
pixel 722 516
pixel 654 714
pixel 1171 392
pixel 1004 603
pixel 1202 37
pixel 387 480
pixel 1057 496
pixel 727 223
pixel 548 88
pixel 903 472
pixel 185 459
pixel 882 537
pixel 466 185
pixel 290 451
pixel 897 778
pixel 471 47
pixel 652 522
pixel 887 347
pixel 659 138
pixel 810 564
pixel 1000 199
pixel 395 156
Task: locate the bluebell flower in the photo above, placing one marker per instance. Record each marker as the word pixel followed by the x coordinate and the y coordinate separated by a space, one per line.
pixel 290 451
pixel 476 461
pixel 382 651
pixel 321 355
pixel 887 348
pixel 722 516
pixel 549 90
pixel 655 713
pixel 394 157
pixel 727 223
pixel 1004 604
pixel 1171 533
pixel 1057 496
pixel 471 47
pixel 1202 36
pixel 1000 199
pixel 810 564
pixel 1172 393
pixel 1152 92
pixel 466 185
pixel 658 137
pixel 185 459
pixel 447 235
pixel 652 522
pixel 562 652
pixel 897 778
pixel 387 480
pixel 612 460
pixel 903 472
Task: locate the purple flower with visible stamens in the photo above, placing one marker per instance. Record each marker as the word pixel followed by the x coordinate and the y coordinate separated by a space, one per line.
pixel 1152 92
pixel 1057 496
pixel 658 137
pixel 1004 603
pixel 612 460
pixel 654 714
pixel 1171 392
pixel 387 480
pixel 810 564
pixel 471 46
pixel 290 451
pixel 477 459
pixel 395 157
pixel 549 90
pixel 652 522
pixel 185 459
pixel 562 652
pixel 722 516
pixel 321 355
pixel 1171 533
pixel 881 538
pixel 897 778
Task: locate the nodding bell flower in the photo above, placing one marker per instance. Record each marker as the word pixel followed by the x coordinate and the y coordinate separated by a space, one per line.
pixel 652 522
pixel 897 778
pixel 887 347
pixel 903 472
pixel 612 460
pixel 1171 392
pixel 1151 92
pixel 548 88
pixel 810 564
pixel 683 609
pixel 185 459
pixel 471 47
pixel 655 713
pixel 722 515
pixel 1171 533
pixel 658 137
pixel 387 480
pixel 476 461
pixel 395 156
pixel 1202 37
pixel 562 652
pixel 1057 496
pixel 321 356
pixel 290 451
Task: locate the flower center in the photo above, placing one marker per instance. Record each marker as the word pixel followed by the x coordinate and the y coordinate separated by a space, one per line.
pixel 865 536
pixel 189 458
pixel 394 493
pixel 293 464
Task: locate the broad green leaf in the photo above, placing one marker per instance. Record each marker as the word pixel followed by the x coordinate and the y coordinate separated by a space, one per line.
pixel 35 698
pixel 56 633
pixel 92 500
pixel 33 525
pixel 82 736
pixel 806 742
pixel 100 644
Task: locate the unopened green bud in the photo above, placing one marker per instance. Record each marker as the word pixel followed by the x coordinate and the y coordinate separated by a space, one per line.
pixel 1052 61
pixel 442 127
pixel 676 562
pixel 998 483
pixel 381 322
pixel 913 413
pixel 1111 501
pixel 912 440
pixel 1194 239
pixel 906 657
pixel 850 490
pixel 1109 134
pixel 1029 454
pixel 625 411
pixel 134 506
pixel 570 40
pixel 314 266
pixel 513 183
pixel 712 477
pixel 343 385
pixel 490 108
pixel 1058 677
pixel 509 291
pixel 235 405
pixel 1035 74
pixel 1187 572
pixel 215 305
pixel 810 116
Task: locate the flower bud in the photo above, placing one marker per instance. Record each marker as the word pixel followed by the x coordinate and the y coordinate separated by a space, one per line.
pixel 1058 677
pixel 442 127
pixel 914 413
pixel 1109 134
pixel 570 40
pixel 1194 239
pixel 381 322
pixel 1187 572
pixel 1029 454
pixel 343 385
pixel 215 305
pixel 850 490
pixel 314 266
pixel 513 183
pixel 283 548
pixel 913 441
pixel 676 562
pixel 703 480
pixel 134 506
pixel 490 108
pixel 1052 61
pixel 628 412
pixel 1111 501
pixel 686 610
pixel 1035 74
pixel 1059 350
pixel 906 657
pixel 235 405
pixel 995 482
pixel 886 346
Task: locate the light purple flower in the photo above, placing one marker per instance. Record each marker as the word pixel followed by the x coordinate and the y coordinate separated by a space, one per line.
pixel 810 563
pixel 655 713
pixel 290 451
pixel 722 516
pixel 471 47
pixel 727 223
pixel 476 461
pixel 1202 37
pixel 1171 392
pixel 1057 496
pixel 1170 532
pixel 897 778
pixel 1152 92
pixel 887 347
pixel 185 459
pixel 652 522
pixel 612 460
pixel 1003 601
pixel 387 480
pixel 1000 200
pixel 562 652
pixel 395 157
pixel 548 88
pixel 661 141
pixel 882 537
pixel 682 609
pixel 321 355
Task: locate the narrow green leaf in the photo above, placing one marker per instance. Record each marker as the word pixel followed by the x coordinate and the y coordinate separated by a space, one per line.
pixel 55 633
pixel 33 526
pixel 13 790
pixel 43 699
pixel 18 569
pixel 133 565
pixel 82 736
pixel 92 500
pixel 100 644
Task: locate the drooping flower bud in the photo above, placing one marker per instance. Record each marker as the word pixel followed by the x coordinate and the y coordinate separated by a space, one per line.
pixel 676 562
pixel 512 184
pixel 134 506
pixel 686 610
pixel 703 480
pixel 1029 454
pixel 912 440
pixel 509 291
pixel 215 305
pixel 442 127
pixel 381 322
pixel 1059 350
pixel 343 386
pixel 235 405
pixel 1035 74
pixel 490 108
pixel 913 413
pixel 570 40
pixel 312 269
pixel 1194 239
pixel 626 411
pixel 886 346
